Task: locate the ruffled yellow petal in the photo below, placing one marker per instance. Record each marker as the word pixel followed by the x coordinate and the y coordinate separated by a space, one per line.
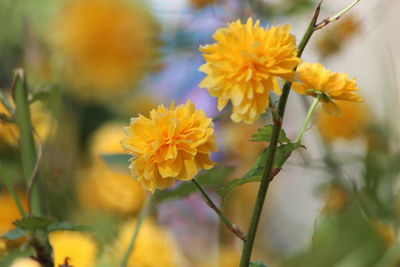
pixel 316 80
pixel 172 144
pixel 243 65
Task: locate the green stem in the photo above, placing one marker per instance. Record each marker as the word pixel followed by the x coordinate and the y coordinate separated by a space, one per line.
pixel 28 149
pixel 341 13
pixel 143 214
pixel 329 159
pixel 10 189
pixel 310 113
pixel 337 16
pixel 266 179
pixel 231 226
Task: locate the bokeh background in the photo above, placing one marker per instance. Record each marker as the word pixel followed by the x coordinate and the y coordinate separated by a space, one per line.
pixel 94 64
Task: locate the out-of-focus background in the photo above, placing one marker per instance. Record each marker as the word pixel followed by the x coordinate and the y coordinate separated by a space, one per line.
pixel 94 64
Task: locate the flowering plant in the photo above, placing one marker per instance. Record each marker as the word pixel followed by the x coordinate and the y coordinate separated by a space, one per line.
pixel 97 171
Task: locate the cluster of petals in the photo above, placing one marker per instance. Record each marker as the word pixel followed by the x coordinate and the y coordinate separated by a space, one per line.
pixel 244 65
pixel 329 86
pixel 173 143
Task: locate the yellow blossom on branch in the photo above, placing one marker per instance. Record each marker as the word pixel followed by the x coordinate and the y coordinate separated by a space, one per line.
pixel 173 143
pixel 329 86
pixel 244 64
pixel 72 248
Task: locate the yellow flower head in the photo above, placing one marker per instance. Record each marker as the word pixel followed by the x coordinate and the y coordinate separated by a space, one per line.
pixel 329 86
pixel 103 189
pixel 243 66
pixel 105 140
pixel 103 45
pixel 352 123
pixel 75 248
pixel 9 211
pixel 154 246
pixel 171 144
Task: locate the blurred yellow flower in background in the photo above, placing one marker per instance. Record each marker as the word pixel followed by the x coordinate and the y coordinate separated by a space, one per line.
pixel 316 81
pixel 103 46
pixel 109 191
pixel 106 139
pixel 244 64
pixel 171 144
pixel 42 121
pixel 385 231
pixel 353 122
pixel 25 262
pixel 154 246
pixel 75 248
pixel 336 199
pixel 9 211
pixel 332 39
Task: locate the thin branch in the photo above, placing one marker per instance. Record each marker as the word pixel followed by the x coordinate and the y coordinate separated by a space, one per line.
pixel 268 170
pixel 231 226
pixel 335 17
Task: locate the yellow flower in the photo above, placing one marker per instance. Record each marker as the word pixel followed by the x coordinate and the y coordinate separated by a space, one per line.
pixel 329 86
pixel 244 64
pixel 103 46
pixel 106 139
pixel 9 211
pixel 171 144
pixel 154 246
pixel 107 190
pixel 75 248
pixel 25 262
pixel 350 125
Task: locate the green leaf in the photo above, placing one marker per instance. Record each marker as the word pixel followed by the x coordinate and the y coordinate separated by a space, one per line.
pixel 14 234
pixel 213 177
pixel 57 226
pixel 257 264
pixel 282 153
pixel 33 223
pixel 264 134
